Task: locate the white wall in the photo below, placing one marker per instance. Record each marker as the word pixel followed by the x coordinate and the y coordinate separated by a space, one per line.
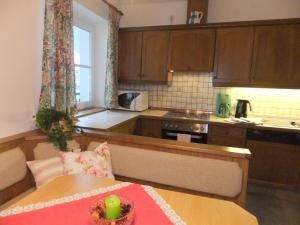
pixel 239 10
pixel 21 38
pixel 149 13
pixel 21 41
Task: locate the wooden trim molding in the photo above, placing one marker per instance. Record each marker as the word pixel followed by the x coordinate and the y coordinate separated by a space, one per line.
pixel 214 25
pixel 18 136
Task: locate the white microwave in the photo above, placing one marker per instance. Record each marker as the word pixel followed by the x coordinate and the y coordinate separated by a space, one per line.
pixel 133 100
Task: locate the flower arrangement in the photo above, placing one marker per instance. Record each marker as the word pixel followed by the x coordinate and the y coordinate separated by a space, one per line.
pixel 58 126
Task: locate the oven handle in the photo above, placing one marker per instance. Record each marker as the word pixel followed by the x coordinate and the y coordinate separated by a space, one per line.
pixel 175 135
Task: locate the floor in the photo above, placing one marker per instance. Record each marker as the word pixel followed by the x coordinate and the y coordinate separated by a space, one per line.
pixel 274 206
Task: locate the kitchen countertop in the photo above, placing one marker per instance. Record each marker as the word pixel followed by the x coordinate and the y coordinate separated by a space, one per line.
pixel 109 119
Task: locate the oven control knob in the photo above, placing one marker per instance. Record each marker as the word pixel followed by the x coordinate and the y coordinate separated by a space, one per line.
pixel 176 126
pixel 202 129
pixel 171 126
pixel 166 125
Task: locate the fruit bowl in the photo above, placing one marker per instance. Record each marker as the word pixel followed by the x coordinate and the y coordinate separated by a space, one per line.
pixel 97 211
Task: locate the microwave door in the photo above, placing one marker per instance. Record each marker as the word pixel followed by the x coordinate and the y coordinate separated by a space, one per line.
pixel 126 99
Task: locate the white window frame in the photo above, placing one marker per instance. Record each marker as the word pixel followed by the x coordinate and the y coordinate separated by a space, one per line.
pixel 89 28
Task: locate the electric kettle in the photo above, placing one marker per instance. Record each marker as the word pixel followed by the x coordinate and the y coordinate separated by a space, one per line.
pixel 223 105
pixel 241 108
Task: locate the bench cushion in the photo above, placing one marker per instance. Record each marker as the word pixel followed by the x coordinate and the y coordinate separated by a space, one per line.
pixel 12 167
pixel 48 150
pixel 208 175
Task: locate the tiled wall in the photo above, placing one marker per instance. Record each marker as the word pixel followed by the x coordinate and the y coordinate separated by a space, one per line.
pixel 195 91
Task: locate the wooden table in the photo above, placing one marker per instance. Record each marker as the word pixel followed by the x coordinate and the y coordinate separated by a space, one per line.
pixel 194 210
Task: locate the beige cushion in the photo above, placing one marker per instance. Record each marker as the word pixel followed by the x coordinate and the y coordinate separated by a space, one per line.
pixel 206 175
pixel 48 150
pixel 96 163
pixel 46 170
pixel 12 167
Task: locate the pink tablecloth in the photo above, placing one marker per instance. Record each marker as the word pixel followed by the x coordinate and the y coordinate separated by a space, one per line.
pixel 77 212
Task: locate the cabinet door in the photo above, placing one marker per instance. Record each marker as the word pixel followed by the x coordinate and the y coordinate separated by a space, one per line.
pixel 227 136
pixel 149 128
pixel 233 55
pixel 274 163
pixel 155 56
pixel 192 50
pixel 130 56
pixel 277 56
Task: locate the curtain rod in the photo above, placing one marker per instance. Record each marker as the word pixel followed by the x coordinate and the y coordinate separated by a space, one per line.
pixel 113 7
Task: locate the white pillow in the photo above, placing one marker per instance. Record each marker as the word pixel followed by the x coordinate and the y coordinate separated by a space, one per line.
pixel 96 163
pixel 46 170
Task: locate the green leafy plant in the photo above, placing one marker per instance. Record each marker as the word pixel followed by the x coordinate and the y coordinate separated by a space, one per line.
pixel 58 126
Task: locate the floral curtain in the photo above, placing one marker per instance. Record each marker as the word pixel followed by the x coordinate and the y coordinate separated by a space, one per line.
pixel 58 81
pixel 111 83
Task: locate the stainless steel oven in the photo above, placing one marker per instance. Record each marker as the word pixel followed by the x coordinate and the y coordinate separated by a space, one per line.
pixel 196 132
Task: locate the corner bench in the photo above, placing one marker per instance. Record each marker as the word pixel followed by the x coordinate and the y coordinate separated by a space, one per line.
pixel 214 171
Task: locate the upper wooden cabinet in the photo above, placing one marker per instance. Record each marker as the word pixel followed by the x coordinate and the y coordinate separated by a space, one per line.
pixel 233 55
pixel 130 56
pixel 276 60
pixel 241 54
pixel 192 50
pixel 155 56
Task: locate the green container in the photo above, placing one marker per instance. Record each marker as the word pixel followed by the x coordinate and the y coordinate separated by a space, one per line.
pixel 223 105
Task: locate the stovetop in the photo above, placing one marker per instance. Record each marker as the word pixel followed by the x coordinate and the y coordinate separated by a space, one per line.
pixel 189 115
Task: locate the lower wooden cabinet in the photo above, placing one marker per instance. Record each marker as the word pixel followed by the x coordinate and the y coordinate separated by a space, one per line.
pixel 128 127
pixel 274 163
pixel 227 136
pixel 149 128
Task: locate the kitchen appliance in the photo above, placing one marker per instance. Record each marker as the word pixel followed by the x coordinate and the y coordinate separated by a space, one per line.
pixel 223 105
pixel 275 156
pixel 241 108
pixel 133 100
pixel 174 130
pixel 199 116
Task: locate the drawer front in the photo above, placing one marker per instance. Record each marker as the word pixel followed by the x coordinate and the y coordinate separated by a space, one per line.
pixel 227 131
pixel 227 141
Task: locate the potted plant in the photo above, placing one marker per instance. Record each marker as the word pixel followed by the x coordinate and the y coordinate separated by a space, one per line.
pixel 58 126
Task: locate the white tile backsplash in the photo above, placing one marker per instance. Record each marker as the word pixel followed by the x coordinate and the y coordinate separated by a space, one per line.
pixel 195 91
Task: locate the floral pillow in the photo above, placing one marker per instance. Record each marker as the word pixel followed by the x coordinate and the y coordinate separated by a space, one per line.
pixel 96 163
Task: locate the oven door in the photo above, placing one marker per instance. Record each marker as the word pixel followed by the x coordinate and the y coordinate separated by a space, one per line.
pixel 195 137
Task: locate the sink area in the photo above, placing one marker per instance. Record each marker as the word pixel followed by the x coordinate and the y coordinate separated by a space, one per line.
pixel 274 122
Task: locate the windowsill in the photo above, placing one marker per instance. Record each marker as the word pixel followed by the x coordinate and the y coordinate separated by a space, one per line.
pixel 89 111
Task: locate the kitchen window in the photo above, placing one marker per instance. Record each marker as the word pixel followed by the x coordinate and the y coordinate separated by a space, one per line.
pixel 83 59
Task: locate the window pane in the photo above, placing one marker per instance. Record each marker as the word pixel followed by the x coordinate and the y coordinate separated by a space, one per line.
pixel 82 46
pixel 83 84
